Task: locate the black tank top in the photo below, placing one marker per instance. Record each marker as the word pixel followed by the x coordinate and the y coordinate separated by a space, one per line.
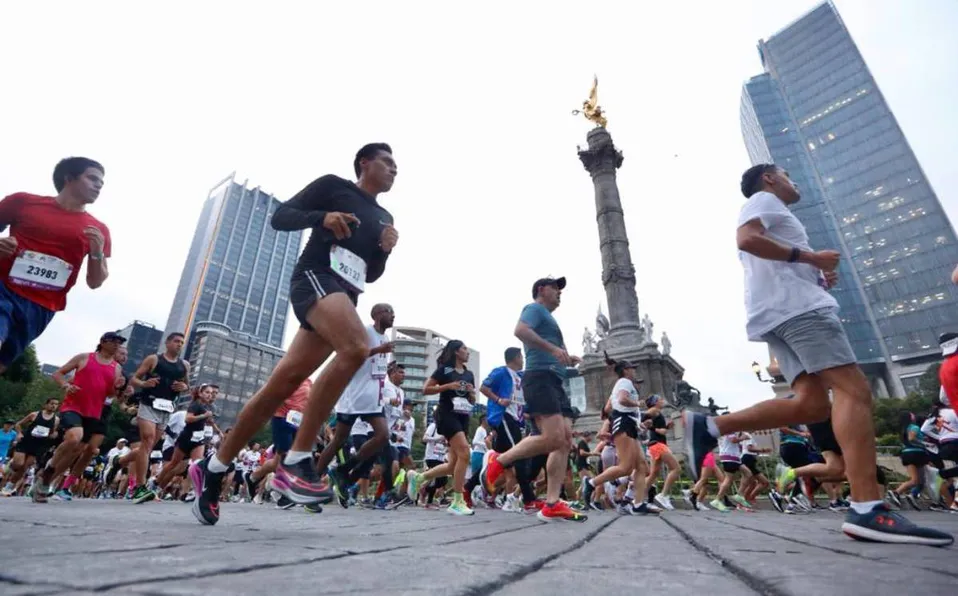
pixel 168 373
pixel 40 421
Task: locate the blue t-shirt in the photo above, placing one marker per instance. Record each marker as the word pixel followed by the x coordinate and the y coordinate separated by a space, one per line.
pixel 916 445
pixel 6 439
pixel 540 320
pixel 499 382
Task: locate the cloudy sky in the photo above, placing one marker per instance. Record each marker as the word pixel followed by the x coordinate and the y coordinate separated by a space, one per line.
pixel 476 104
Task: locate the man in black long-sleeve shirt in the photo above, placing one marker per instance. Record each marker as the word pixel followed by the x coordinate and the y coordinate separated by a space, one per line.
pixel 352 237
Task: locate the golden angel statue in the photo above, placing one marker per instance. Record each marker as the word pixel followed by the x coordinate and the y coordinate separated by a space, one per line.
pixel 591 108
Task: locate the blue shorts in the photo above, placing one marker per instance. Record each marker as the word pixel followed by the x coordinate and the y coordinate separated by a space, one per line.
pixel 475 461
pixel 21 322
pixel 283 434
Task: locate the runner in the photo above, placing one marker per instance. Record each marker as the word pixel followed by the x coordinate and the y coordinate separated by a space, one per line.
pixel 161 378
pixel 547 365
pixel 660 452
pixel 401 429
pixel 192 440
pixel 351 240
pixel 41 427
pixel 757 482
pixel 8 439
pixel 435 455
pixel 913 457
pixel 285 422
pixel 789 308
pixel 730 456
pixel 96 376
pixel 362 399
pixel 41 258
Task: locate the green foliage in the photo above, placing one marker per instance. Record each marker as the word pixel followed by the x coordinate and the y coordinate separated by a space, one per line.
pixel 25 368
pixel 23 389
pixel 888 412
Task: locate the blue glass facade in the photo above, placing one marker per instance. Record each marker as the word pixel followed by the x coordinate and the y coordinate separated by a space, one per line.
pixel 818 112
pixel 238 268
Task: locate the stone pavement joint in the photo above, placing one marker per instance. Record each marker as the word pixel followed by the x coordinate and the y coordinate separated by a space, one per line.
pixel 756 583
pixel 503 581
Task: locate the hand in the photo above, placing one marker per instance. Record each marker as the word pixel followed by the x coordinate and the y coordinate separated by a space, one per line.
pixel 179 386
pixel 831 279
pixel 151 383
pixel 826 260
pixel 338 223
pixel 470 388
pixel 647 423
pixel 95 237
pixel 454 386
pixel 505 403
pixel 70 388
pixel 389 238
pixel 576 361
pixel 561 355
pixel 386 348
pixel 8 246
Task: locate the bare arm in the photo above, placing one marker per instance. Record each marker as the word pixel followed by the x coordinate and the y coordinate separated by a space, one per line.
pixel 96 272
pixel 625 401
pixel 74 364
pixel 148 364
pixel 751 238
pixel 530 337
pixel 433 387
pixel 28 419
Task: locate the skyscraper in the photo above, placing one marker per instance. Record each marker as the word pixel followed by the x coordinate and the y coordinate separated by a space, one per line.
pixel 817 112
pixel 238 268
pixel 141 341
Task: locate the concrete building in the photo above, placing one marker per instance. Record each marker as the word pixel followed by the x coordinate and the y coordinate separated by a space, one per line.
pixel 818 112
pixel 235 361
pixel 48 369
pixel 238 268
pixel 142 340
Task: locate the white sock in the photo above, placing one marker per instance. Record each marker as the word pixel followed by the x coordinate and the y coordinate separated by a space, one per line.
pixel 711 426
pixel 591 482
pixel 216 466
pixel 294 457
pixel 865 507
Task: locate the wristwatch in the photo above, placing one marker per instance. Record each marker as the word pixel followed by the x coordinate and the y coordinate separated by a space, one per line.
pixel 96 257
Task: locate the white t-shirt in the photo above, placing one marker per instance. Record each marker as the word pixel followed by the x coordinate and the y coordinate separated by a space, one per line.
pixel 364 394
pixel 251 460
pixel 748 442
pixel 114 452
pixel 517 397
pixel 174 425
pixel 435 444
pixel 628 386
pixel 361 427
pixel 479 440
pixel 390 392
pixel 403 430
pixel 949 430
pixel 776 291
pixel 729 450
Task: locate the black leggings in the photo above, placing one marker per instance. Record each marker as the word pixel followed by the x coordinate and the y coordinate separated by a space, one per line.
pixel 527 470
pixel 436 483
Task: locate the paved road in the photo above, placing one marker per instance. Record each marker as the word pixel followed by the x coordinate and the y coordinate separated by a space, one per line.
pixel 87 547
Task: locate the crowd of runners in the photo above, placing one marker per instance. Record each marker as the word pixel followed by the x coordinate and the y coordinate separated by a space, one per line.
pixel 352 429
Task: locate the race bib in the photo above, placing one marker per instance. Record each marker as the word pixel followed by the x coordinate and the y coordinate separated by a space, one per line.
pixel 198 436
pixel 208 432
pixel 380 366
pixel 163 405
pixel 295 418
pixel 37 270
pixel 108 401
pixel 40 432
pixel 347 265
pixel 156 455
pixel 461 405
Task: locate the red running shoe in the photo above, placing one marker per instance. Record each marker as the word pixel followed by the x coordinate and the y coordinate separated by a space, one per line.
pixel 491 470
pixel 560 510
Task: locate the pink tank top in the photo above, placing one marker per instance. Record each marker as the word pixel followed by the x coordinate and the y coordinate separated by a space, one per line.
pixel 96 382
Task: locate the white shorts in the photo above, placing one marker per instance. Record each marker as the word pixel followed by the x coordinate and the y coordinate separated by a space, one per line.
pixel 360 398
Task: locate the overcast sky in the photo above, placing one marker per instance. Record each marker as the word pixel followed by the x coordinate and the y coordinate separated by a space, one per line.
pixel 476 104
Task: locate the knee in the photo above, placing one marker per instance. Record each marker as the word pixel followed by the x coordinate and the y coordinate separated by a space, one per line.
pixel 815 410
pixel 354 352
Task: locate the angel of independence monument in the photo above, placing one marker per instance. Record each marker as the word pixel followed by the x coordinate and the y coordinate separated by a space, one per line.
pixel 624 335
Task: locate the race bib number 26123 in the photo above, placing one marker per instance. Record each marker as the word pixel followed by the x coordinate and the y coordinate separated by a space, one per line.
pixel 349 266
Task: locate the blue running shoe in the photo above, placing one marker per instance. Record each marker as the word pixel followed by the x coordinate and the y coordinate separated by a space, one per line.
pixel 881 524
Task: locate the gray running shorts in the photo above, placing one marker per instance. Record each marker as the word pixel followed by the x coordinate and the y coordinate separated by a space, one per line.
pixel 157 417
pixel 809 343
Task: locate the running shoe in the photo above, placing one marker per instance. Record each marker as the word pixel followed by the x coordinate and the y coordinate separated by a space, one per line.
pixel 491 470
pixel 143 494
pixel 698 441
pixel 63 494
pixel 936 507
pixel 382 501
pixel 912 502
pixel 512 504
pixel 413 484
pixel 208 486
pixel 285 503
pixel 741 502
pixel 701 506
pixel 311 508
pixel 642 509
pixel 785 479
pixel 719 505
pixel 837 506
pixel 665 502
pixel 112 469
pixel 534 507
pixel 596 506
pixel 431 506
pixel 397 502
pixel 189 497
pixel 459 507
pixel 301 483
pixel 778 501
pixel 7 491
pixel 892 497
pixel 881 524
pixel 560 510
pixel 687 497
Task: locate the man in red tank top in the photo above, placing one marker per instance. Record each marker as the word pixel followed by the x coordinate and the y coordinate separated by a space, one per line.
pixel 96 375
pixel 41 258
pixel 948 374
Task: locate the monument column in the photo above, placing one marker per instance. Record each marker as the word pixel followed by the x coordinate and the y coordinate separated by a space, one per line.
pixel 601 159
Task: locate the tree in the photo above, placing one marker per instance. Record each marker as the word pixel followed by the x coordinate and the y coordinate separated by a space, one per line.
pixel 888 412
pixel 25 368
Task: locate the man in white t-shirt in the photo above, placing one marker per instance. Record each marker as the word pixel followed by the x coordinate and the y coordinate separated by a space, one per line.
pixel 788 306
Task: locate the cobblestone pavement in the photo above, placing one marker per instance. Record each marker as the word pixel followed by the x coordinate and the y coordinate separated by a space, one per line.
pixel 113 547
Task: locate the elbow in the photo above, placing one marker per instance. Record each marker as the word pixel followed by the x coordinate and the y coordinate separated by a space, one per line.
pixel 745 241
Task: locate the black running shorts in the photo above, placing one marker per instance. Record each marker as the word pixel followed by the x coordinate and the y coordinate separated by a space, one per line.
pixel 824 437
pixel 795 455
pixel 450 423
pixel 750 461
pixel 624 423
pixel 306 287
pixel 731 467
pixel 544 394
pixel 508 434
pixel 914 458
pixel 91 426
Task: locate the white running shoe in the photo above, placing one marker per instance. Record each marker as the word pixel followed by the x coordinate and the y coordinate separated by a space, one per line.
pixel 664 502
pixel 512 504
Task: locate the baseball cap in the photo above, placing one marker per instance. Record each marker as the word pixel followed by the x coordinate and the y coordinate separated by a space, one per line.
pixel 948 342
pixel 112 336
pixel 651 400
pixel 558 282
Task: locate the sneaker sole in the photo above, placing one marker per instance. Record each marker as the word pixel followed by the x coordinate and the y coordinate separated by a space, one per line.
pixel 863 534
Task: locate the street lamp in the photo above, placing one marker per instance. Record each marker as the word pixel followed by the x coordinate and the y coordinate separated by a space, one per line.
pixel 757 369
